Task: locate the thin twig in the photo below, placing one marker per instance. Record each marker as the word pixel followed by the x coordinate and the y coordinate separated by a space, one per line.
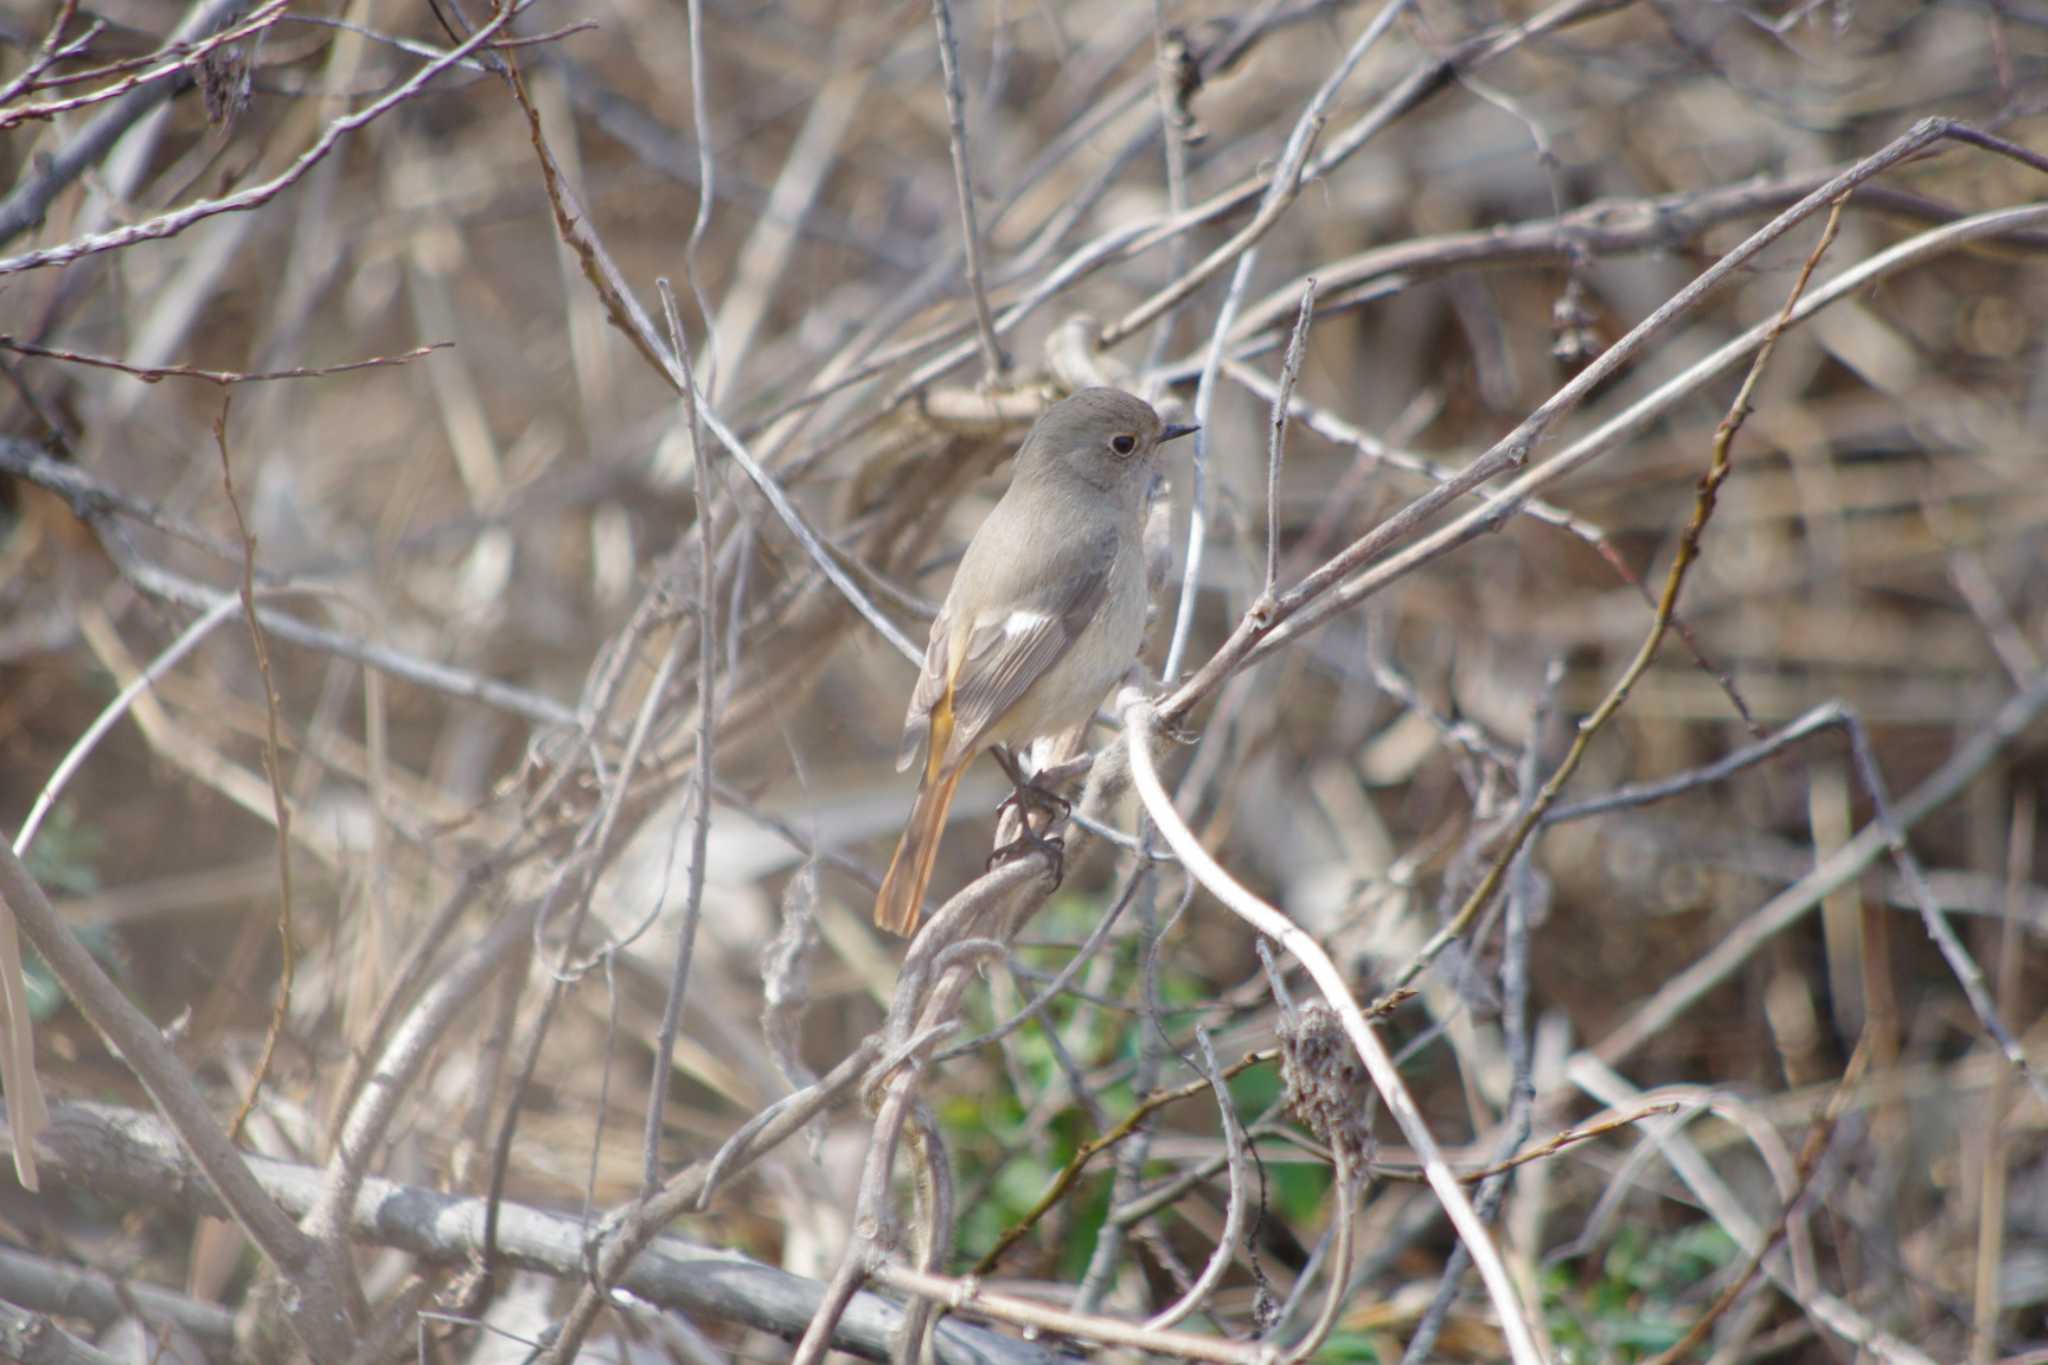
pixel 1105 1262
pixel 1514 978
pixel 51 50
pixel 932 1181
pixel 1226 1248
pixel 1097 937
pixel 1668 1141
pixel 406 1053
pixel 152 373
pixel 1337 1271
pixel 1987 1301
pixel 1129 240
pixel 1507 501
pixel 273 769
pixel 81 748
pixel 994 362
pixel 967 1296
pixel 1176 75
pixel 707 180
pixel 700 779
pixel 862 1247
pixel 1276 449
pixel 1334 428
pixel 1967 973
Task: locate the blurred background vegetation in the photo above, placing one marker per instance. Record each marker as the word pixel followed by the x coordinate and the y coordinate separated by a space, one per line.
pixel 1497 193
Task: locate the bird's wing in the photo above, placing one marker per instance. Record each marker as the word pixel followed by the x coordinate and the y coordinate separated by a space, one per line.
pixel 966 688
pixel 926 696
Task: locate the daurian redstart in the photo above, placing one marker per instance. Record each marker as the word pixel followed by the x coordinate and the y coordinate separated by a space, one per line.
pixel 1044 616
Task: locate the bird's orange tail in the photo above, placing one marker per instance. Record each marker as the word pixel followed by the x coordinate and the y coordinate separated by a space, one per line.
pixel 901 901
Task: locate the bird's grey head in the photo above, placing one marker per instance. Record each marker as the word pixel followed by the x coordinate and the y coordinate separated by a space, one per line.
pixel 1105 437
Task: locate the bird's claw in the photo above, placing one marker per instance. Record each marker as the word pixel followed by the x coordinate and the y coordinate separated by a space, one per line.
pixel 1030 841
pixel 1029 796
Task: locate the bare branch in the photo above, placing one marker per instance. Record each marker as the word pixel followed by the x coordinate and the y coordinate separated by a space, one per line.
pixel 317 1309
pixel 1139 719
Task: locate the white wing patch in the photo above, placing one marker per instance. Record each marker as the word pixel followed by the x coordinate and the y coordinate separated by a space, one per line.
pixel 1022 622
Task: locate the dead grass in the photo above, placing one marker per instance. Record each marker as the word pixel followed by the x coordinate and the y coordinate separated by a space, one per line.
pixel 484 575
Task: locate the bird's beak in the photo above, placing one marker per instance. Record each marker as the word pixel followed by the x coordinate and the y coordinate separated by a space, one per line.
pixel 1177 430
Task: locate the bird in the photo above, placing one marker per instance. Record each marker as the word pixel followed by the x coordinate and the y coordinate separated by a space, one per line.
pixel 1045 614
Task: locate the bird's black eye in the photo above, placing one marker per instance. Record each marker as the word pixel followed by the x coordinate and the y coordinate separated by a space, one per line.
pixel 1123 445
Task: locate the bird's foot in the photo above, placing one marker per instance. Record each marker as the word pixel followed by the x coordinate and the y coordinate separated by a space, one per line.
pixel 1030 798
pixel 1029 842
pixel 1027 794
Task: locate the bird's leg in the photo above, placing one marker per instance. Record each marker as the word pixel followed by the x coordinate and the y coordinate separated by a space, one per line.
pixel 1027 793
pixel 1026 796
